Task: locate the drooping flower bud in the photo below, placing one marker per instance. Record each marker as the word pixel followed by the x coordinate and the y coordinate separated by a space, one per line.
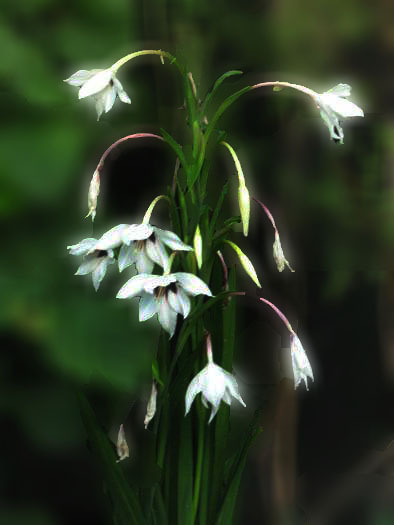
pixel 244 207
pixel 197 244
pixel 151 407
pixel 279 256
pixel 93 193
pixel 122 447
pixel 246 263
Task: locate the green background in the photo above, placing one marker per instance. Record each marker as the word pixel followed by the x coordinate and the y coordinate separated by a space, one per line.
pixel 334 207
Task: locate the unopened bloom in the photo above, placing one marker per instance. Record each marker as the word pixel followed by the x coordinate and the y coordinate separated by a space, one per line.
pixel 215 385
pixel 244 206
pixel 122 447
pixel 334 106
pixel 102 85
pixel 93 193
pixel 166 296
pixel 144 245
pixel 151 407
pixel 279 256
pixel 246 263
pixel 96 260
pixel 301 366
pixel 197 243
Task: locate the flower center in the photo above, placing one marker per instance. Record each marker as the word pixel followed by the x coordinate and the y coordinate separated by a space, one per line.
pixel 101 253
pixel 162 291
pixel 140 245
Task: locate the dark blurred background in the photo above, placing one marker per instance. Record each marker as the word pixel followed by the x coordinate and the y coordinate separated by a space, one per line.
pixel 325 456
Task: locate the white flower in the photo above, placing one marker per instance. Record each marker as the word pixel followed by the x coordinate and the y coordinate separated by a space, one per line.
pixel 279 256
pixel 334 107
pixel 151 407
pixel 301 366
pixel 102 85
pixel 96 260
pixel 166 296
pixel 144 246
pixel 215 385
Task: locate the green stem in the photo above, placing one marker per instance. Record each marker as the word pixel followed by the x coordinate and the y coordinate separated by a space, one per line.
pixel 163 54
pixel 200 455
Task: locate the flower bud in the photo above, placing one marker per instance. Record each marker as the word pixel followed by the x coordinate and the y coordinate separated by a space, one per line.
pixel 244 206
pixel 151 407
pixel 122 448
pixel 93 193
pixel 279 256
pixel 197 243
pixel 246 263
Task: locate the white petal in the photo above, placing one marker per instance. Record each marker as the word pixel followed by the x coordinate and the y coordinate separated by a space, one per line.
pixel 148 307
pixel 124 97
pixel 126 257
pixel 96 83
pixel 89 265
pixel 301 366
pixel 83 247
pixel 134 286
pixel 157 253
pixel 158 280
pixel 100 106
pixel 143 263
pixel 136 232
pixel 214 411
pixel 80 77
pixel 342 107
pixel 109 96
pixel 340 90
pixel 112 238
pixel 167 316
pixel 172 240
pixel 192 284
pixel 192 390
pixel 232 387
pixel 99 273
pixel 179 302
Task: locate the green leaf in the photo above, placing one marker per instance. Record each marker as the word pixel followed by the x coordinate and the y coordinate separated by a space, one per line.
pixel 185 473
pixel 176 147
pixel 222 108
pixel 155 372
pixel 127 507
pixel 225 515
pixel 217 85
pixel 218 207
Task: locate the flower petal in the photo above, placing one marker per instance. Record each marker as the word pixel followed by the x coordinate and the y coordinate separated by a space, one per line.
pixel 137 232
pixel 192 284
pixel 157 253
pixel 167 316
pixel 99 273
pixel 172 240
pixel 340 90
pixel 109 97
pixel 301 366
pixel 126 257
pixel 89 265
pixel 147 307
pixel 342 107
pixel 179 302
pixel 143 263
pixel 80 77
pixel 96 83
pixel 193 389
pixel 83 247
pixel 124 97
pixel 112 238
pixel 133 286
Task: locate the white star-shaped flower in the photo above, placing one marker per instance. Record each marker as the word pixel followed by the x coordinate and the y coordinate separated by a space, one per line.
pixel 301 366
pixel 334 107
pixel 144 245
pixel 166 296
pixel 102 85
pixel 96 261
pixel 215 385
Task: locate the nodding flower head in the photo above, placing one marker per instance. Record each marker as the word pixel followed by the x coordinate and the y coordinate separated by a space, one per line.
pixel 96 260
pixel 166 296
pixel 215 385
pixel 301 366
pixel 102 85
pixel 334 107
